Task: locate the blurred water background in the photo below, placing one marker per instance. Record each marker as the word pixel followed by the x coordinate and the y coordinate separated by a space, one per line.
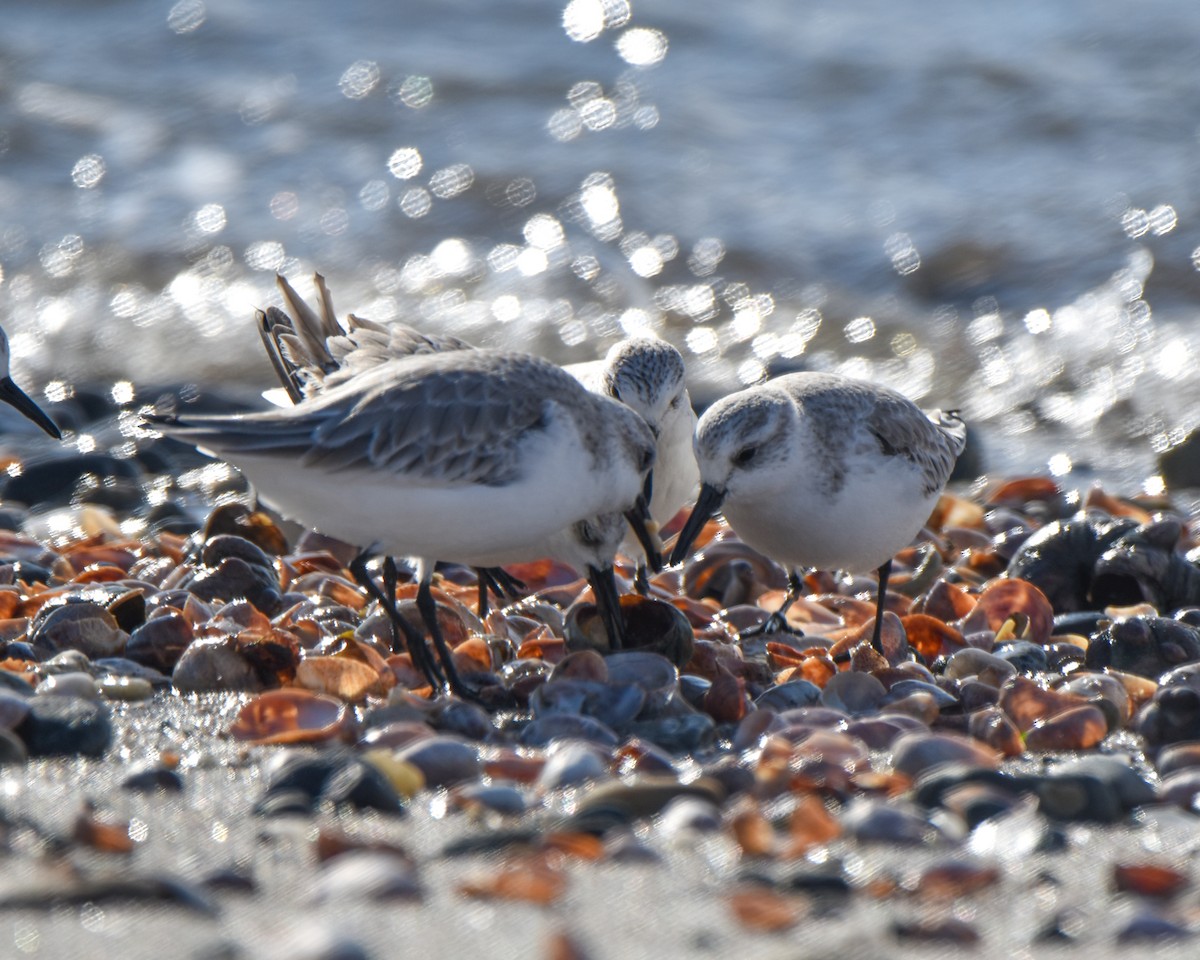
pixel 993 207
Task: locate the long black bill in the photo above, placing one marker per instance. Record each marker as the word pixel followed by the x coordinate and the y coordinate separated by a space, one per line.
pixel 707 504
pixel 648 486
pixel 13 395
pixel 608 604
pixel 646 531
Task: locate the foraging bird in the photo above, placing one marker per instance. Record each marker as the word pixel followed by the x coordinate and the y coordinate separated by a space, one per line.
pixel 647 375
pixel 457 455
pixel 819 470
pixel 15 397
pixel 312 351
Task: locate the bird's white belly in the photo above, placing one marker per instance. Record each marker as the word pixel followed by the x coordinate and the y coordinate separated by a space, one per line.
pixel 451 522
pixel 870 520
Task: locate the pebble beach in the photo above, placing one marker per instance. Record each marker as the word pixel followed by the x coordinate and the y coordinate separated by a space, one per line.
pixel 209 744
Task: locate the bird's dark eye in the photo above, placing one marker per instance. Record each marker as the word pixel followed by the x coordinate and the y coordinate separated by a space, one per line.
pixel 647 459
pixel 615 393
pixel 677 401
pixel 589 535
pixel 745 455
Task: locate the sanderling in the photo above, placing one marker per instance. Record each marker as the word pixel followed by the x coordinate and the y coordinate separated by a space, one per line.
pixel 647 375
pixel 818 470
pixel 15 397
pixel 455 455
pixel 313 351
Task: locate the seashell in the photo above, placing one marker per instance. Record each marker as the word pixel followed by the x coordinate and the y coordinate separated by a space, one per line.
pixel 291 716
pixel 236 519
pixel 13 709
pixel 936 930
pixel 931 637
pixel 1151 927
pixel 810 825
pixel 650 625
pixel 1149 879
pixel 637 756
pixel 233 567
pixel 1003 600
pixel 580 665
pixel 343 677
pixel 443 760
pixel 1181 788
pixel 853 693
pixel 725 700
pixel 986 667
pixel 871 820
pixel 76 625
pixel 364 876
pixel 573 763
pixel 1100 685
pixel 878 733
pixel 654 674
pixel 1077 728
pixel 503 799
pixel 916 752
pixel 949 880
pixel 161 640
pixel 919 705
pixel 1026 702
pixel 1060 558
pixel 1146 646
pixel 215 663
pixel 766 912
pixel 613 704
pixel 1178 756
pixel 560 726
pixel 685 816
pixel 89 831
pixel 1144 564
pixel 787 696
pixel 1173 715
pixel 532 881
pixel 731 573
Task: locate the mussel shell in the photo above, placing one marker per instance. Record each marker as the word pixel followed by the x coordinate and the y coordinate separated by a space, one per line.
pixel 650 625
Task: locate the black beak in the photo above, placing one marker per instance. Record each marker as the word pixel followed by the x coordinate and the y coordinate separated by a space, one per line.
pixel 608 604
pixel 641 522
pixel 13 395
pixel 648 486
pixel 707 504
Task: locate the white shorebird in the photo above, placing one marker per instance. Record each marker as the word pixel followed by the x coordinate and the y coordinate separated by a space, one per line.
pixel 818 470
pixel 647 375
pixel 15 397
pixel 312 351
pixel 456 455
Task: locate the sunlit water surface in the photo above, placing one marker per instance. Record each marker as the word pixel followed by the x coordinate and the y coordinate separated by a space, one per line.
pixel 990 207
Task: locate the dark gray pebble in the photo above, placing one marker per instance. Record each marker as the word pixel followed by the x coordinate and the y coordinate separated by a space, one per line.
pixel 66 726
pixel 363 787
pixel 1028 658
pixel 152 779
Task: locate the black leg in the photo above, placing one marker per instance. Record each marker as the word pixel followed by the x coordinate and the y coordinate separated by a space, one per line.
pixel 386 599
pixel 427 664
pixel 777 622
pixel 501 583
pixel 482 607
pixel 428 607
pixel 885 571
pixel 641 582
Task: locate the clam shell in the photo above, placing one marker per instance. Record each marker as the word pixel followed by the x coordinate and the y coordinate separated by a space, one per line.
pixel 291 716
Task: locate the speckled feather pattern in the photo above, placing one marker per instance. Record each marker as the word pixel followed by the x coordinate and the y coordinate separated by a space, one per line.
pixel 457 417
